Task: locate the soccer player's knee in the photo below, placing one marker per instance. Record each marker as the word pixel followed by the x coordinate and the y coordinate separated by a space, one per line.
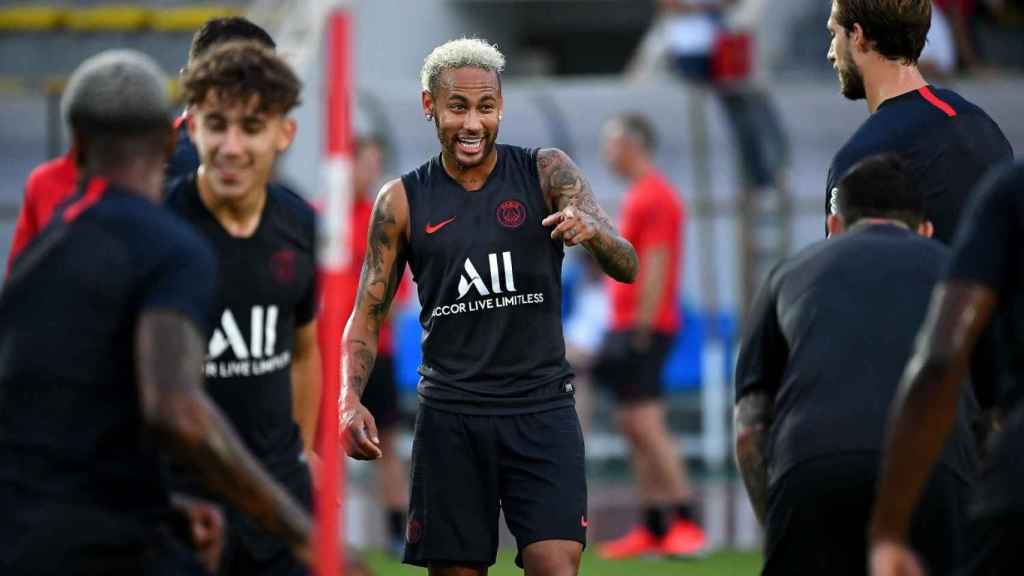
pixel 552 558
pixel 634 427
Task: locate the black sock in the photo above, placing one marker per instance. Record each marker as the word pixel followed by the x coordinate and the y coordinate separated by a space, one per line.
pixel 396 524
pixel 684 511
pixel 655 521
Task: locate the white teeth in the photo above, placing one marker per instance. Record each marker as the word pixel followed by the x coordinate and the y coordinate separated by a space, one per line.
pixel 471 146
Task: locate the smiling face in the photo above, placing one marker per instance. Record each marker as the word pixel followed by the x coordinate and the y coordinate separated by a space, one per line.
pixel 466 108
pixel 840 55
pixel 237 144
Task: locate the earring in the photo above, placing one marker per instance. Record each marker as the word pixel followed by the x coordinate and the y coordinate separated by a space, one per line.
pixel 428 117
pixel 500 116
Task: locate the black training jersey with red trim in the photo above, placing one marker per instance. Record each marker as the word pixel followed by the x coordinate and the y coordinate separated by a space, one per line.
pixel 489 281
pixel 948 142
pixel 72 435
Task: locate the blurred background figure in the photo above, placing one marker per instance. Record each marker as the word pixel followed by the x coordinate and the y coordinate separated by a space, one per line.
pixel 644 322
pixel 381 396
pixel 938 59
pixel 706 46
pixel 711 46
pixel 586 319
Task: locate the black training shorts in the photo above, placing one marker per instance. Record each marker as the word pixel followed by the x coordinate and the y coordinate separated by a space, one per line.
pixel 633 375
pixel 464 467
pixel 818 515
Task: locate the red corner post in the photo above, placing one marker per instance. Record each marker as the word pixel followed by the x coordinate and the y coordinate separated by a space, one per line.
pixel 336 285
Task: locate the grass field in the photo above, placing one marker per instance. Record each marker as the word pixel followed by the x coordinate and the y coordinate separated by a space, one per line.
pixel 719 564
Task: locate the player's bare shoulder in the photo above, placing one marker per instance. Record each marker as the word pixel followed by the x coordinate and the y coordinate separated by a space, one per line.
pixel 390 213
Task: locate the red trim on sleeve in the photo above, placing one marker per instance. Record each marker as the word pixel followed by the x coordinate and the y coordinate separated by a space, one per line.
pixel 93 194
pixel 932 99
pixel 180 120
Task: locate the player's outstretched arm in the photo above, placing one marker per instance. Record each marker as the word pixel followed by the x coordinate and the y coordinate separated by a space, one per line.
pixel 924 409
pixel 383 265
pixel 169 356
pixel 579 219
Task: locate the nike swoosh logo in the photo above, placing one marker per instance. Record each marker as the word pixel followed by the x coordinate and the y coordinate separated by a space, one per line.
pixel 431 229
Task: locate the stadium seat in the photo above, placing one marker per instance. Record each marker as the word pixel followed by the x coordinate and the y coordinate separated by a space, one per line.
pixel 31 18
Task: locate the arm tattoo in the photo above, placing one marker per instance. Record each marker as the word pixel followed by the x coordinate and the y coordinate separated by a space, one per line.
pixel 363 358
pixel 562 181
pixel 378 283
pixel 753 418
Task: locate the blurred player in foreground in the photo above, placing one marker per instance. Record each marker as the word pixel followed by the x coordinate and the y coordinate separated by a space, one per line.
pixel 53 182
pixel 644 323
pixel 102 356
pixel 985 280
pixel 496 428
pixel 263 360
pixel 816 375
pixel 948 142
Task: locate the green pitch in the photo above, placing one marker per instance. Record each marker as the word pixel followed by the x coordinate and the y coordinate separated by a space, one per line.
pixel 719 564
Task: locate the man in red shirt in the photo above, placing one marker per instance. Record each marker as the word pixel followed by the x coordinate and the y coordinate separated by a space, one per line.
pixel 47 185
pixel 645 319
pixel 381 396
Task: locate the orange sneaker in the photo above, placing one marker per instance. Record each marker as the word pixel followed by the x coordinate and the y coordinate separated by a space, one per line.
pixel 637 542
pixel 684 539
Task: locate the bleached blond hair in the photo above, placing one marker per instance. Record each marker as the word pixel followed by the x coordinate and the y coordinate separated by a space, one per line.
pixel 461 53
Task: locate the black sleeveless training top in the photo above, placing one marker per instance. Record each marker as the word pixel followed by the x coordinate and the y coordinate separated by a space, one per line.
pixel 488 276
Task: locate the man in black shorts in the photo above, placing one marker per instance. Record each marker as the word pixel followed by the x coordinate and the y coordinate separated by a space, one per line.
pixel 263 363
pixel 645 319
pixel 827 338
pixel 102 357
pixel 948 142
pixel 496 428
pixel 985 280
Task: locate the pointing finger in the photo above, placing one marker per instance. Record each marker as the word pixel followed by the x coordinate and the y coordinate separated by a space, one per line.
pixel 552 219
pixel 562 228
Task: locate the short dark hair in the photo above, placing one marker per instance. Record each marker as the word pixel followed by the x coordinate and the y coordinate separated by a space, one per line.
pixel 880 187
pixel 897 29
pixel 239 71
pixel 371 139
pixel 220 30
pixel 117 103
pixel 638 127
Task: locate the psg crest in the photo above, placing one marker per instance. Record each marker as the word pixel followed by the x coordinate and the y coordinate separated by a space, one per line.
pixel 282 265
pixel 511 213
